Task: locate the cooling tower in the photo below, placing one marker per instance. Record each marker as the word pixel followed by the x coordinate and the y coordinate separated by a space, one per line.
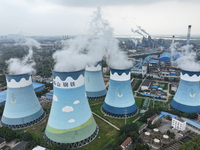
pixel 187 97
pixel 70 119
pixel 94 83
pixel 22 108
pixel 119 100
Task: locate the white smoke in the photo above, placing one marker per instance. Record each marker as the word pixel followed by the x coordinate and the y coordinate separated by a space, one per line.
pixel 91 48
pixel 135 41
pixel 26 64
pixel 72 56
pixel 187 60
pixel 137 31
pixel 106 45
pixel 141 29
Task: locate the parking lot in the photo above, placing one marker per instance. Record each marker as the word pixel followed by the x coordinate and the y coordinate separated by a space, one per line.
pixel 166 125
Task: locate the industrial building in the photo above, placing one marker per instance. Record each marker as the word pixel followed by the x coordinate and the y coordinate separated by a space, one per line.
pixel 70 120
pixel 49 95
pixel 187 97
pixel 38 87
pixel 22 108
pixel 165 57
pixel 178 124
pixel 94 83
pixel 119 101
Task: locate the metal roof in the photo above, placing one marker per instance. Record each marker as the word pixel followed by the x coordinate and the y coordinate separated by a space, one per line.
pixel 165 56
pixel 191 122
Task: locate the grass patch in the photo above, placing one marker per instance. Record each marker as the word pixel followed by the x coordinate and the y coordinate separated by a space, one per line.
pixel 164 86
pixel 139 102
pixel 156 104
pixel 38 129
pixel 106 135
pixel 117 122
pixel 91 102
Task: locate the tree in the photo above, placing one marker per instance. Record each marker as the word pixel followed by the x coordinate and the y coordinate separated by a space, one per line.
pixel 186 115
pixel 194 144
pixel 26 137
pixel 169 117
pixel 7 134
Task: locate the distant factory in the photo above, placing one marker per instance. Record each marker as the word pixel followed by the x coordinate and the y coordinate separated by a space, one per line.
pixel 156 66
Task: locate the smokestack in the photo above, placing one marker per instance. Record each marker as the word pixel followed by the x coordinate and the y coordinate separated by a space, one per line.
pixel 22 108
pixel 119 101
pixel 94 83
pixel 188 35
pixel 187 97
pixel 172 53
pixel 70 120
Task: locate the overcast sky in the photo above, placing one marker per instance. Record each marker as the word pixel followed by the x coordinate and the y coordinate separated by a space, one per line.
pixel 71 17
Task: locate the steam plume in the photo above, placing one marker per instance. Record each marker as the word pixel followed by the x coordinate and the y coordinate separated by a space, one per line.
pixel 91 48
pixel 187 58
pixel 141 29
pixel 26 64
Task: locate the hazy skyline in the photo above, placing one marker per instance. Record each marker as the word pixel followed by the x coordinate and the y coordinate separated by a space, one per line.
pixel 65 17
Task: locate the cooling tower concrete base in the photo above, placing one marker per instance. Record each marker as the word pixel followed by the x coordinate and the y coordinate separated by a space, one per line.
pixel 22 108
pixel 62 137
pixel 119 112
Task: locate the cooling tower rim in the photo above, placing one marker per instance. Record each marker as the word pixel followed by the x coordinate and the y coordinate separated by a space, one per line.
pixel 192 71
pixel 128 68
pixel 68 71
pixel 21 74
pixel 94 64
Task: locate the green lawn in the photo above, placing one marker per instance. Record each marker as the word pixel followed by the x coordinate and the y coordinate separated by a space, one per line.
pixel 164 86
pixel 156 104
pixel 139 102
pixel 117 122
pixel 105 136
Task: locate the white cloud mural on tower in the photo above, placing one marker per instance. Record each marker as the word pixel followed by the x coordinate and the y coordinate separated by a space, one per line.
pixel 67 109
pixel 71 121
pixel 76 102
pixel 55 98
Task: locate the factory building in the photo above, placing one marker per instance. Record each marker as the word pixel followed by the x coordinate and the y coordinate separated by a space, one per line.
pixel 38 87
pixel 178 124
pixel 70 120
pixel 22 108
pixel 119 101
pixel 94 83
pixel 49 95
pixel 187 97
pixel 165 57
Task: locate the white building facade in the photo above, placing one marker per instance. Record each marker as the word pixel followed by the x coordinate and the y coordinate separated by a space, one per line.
pixel 178 123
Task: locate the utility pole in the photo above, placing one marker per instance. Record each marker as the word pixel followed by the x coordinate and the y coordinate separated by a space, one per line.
pixel 125 114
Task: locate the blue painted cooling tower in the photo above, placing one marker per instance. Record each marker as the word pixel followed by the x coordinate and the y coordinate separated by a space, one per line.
pixel 119 99
pixel 94 83
pixel 22 108
pixel 71 120
pixel 187 97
